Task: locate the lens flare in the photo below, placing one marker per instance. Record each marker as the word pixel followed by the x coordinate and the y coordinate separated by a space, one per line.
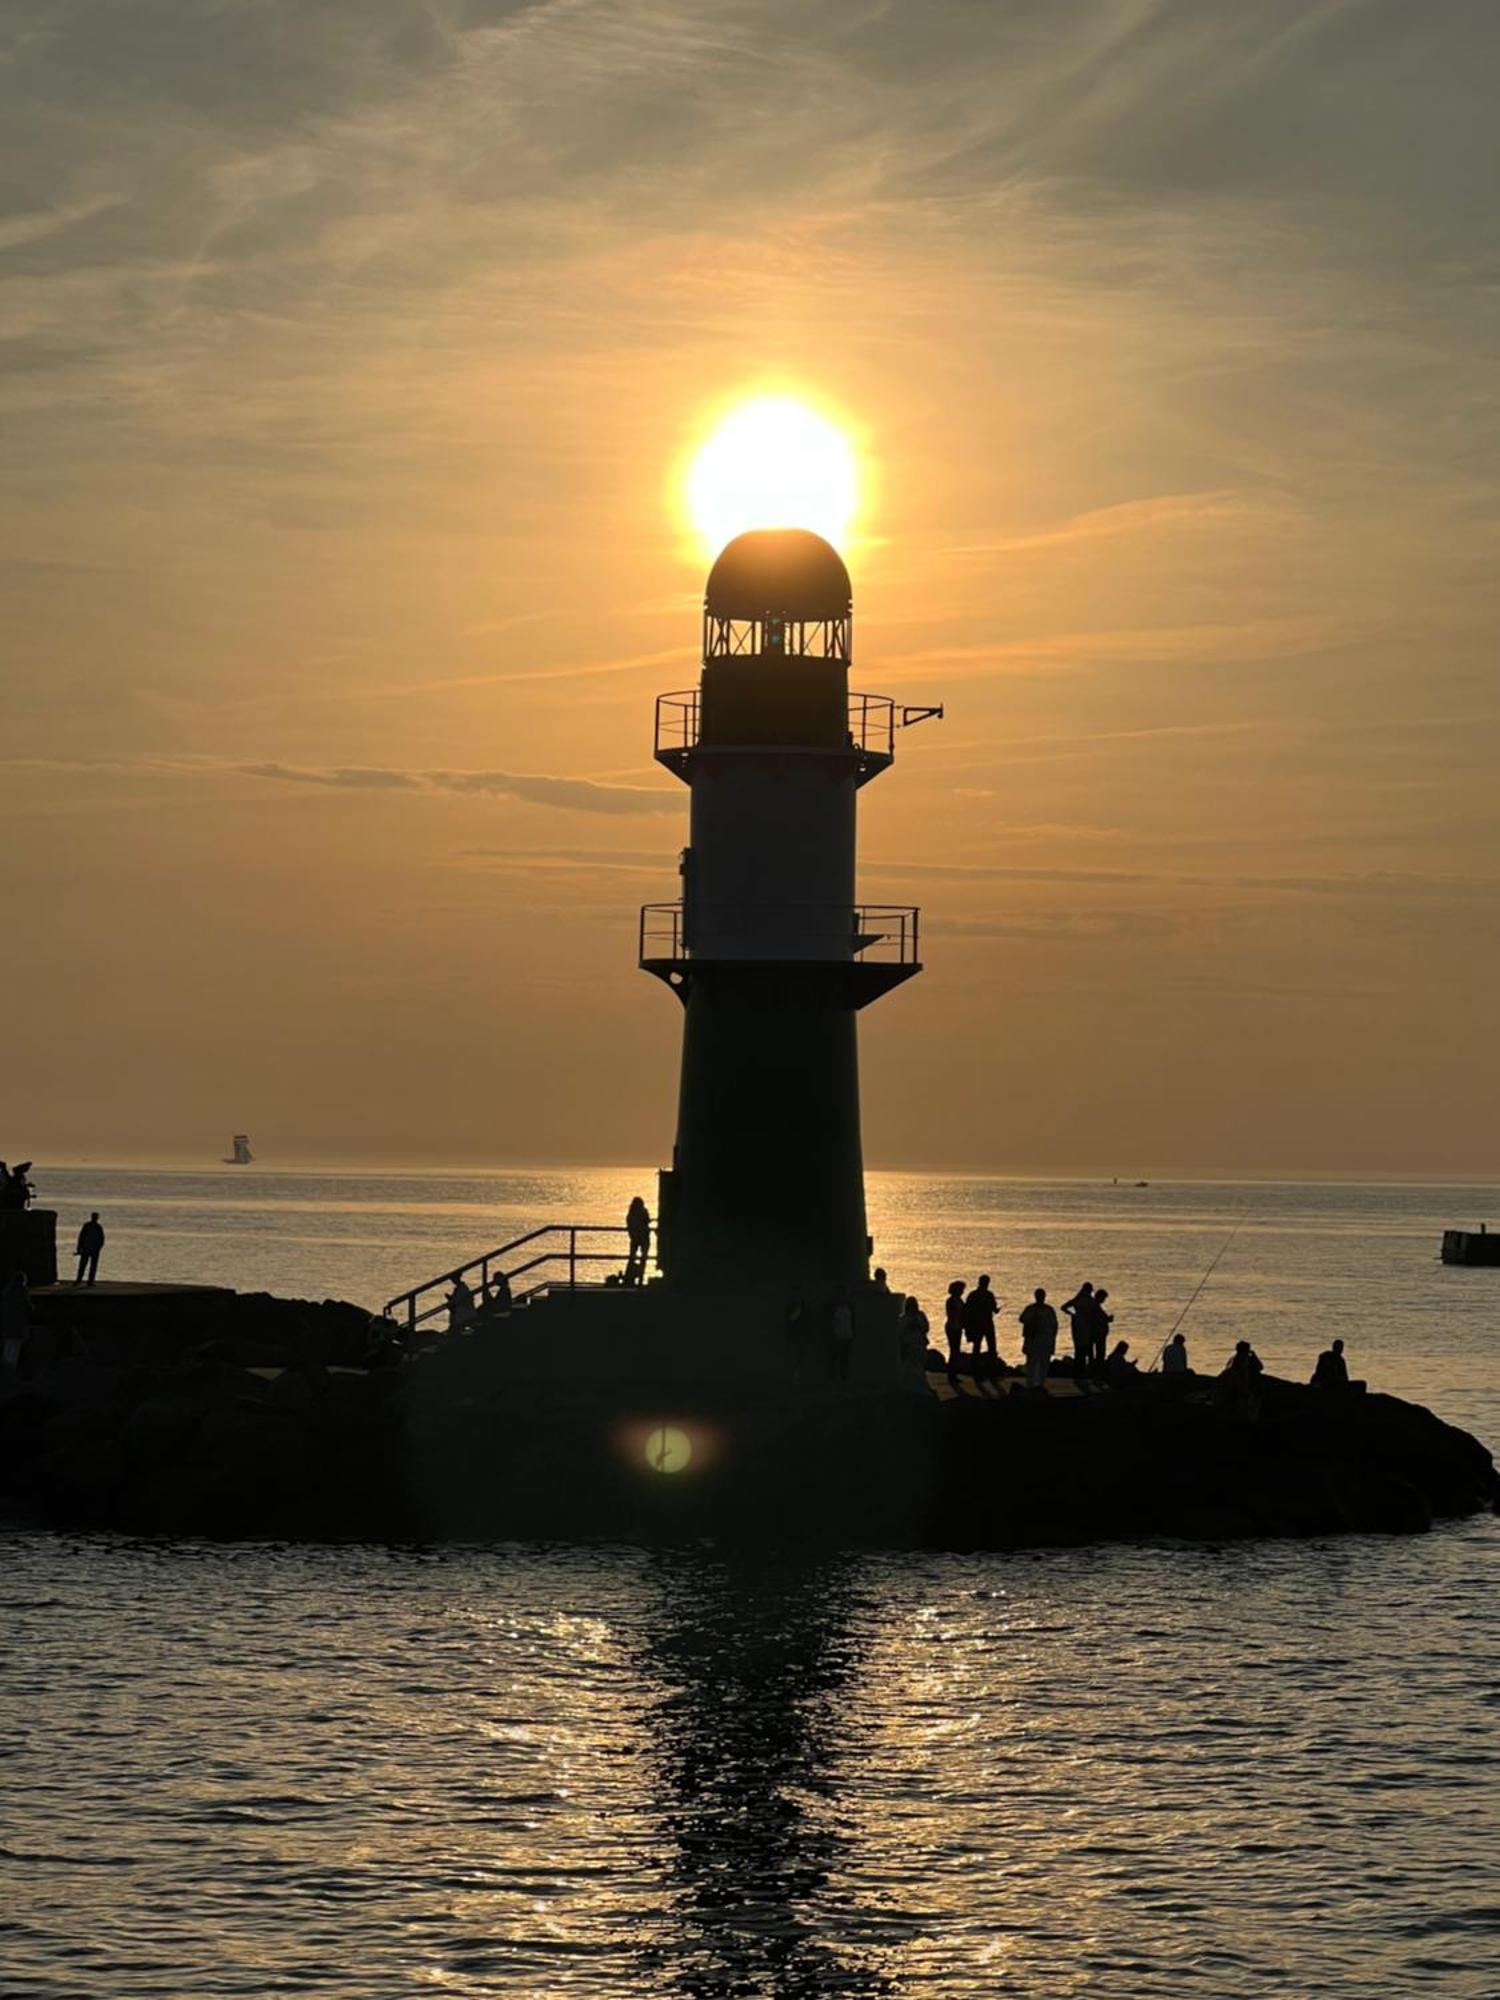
pixel 669 1449
pixel 773 462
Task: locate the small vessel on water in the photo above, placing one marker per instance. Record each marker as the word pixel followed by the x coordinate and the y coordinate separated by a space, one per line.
pixel 239 1154
pixel 1471 1246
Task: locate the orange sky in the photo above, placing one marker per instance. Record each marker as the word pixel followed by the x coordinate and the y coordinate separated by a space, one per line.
pixel 352 354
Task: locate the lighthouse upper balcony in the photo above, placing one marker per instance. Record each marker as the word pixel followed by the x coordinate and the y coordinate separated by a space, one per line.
pixel 872 722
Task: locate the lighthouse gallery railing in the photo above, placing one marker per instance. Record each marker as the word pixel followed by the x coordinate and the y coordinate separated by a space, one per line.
pixel 873 722
pixel 883 933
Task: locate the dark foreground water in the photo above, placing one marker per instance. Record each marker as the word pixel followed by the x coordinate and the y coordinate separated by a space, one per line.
pixel 1252 1771
pixel 1259 1770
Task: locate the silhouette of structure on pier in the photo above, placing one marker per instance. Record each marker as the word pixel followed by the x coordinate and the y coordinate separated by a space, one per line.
pixel 768 950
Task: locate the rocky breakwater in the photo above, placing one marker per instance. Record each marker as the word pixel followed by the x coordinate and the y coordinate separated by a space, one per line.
pixel 190 1411
pixel 1157 1459
pixel 197 1411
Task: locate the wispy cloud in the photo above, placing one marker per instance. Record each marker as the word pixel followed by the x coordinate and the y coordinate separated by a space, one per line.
pixel 535 788
pixel 588 795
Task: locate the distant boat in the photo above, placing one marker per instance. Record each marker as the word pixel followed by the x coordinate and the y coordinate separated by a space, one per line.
pixel 240 1155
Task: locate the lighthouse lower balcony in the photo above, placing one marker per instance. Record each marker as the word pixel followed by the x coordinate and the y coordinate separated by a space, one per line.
pixel 862 950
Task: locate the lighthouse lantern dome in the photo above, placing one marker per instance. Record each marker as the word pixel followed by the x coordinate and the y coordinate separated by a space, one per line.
pixel 778 592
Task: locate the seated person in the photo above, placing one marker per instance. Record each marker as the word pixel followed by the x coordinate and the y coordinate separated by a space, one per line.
pixel 1332 1370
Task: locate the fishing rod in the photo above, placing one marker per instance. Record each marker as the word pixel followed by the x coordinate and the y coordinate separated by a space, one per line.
pixel 1198 1288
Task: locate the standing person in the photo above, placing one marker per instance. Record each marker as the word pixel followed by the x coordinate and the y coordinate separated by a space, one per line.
pixel 980 1308
pixel 1079 1309
pixel 638 1228
pixel 460 1304
pixel 1038 1338
pixel 953 1327
pixel 90 1243
pixel 1100 1323
pixel 840 1334
pixel 914 1332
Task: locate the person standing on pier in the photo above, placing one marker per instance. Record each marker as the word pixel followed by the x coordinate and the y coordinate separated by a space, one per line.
pixel 638 1230
pixel 980 1309
pixel 1100 1323
pixel 460 1304
pixel 1038 1338
pixel 90 1243
pixel 1079 1309
pixel 914 1332
pixel 953 1327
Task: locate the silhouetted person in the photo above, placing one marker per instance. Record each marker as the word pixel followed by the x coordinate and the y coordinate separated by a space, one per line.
pixel 953 1327
pixel 90 1243
pixel 638 1228
pixel 1038 1338
pixel 1174 1356
pixel 460 1304
pixel 1100 1323
pixel 914 1333
pixel 497 1296
pixel 840 1334
pixel 980 1308
pixel 1079 1309
pixel 16 1189
pixel 1237 1385
pixel 1119 1369
pixel 1332 1370
pixel 879 1280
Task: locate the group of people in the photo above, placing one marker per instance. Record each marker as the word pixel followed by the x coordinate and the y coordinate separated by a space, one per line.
pixel 969 1316
pixel 470 1305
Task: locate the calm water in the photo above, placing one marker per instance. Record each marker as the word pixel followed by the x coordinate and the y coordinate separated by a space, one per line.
pixel 1260 1770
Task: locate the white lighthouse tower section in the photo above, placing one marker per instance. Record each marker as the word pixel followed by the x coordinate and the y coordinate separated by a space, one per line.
pixel 769 872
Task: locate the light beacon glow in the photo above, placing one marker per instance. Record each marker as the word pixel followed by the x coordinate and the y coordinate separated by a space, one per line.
pixel 773 463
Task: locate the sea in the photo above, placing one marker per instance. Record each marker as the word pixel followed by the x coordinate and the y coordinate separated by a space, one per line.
pixel 1158 1769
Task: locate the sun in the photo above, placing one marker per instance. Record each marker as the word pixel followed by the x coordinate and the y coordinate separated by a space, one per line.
pixel 773 462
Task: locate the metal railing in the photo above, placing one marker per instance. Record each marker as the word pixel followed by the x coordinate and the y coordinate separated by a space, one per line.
pixel 873 722
pixel 425 1301
pixel 877 933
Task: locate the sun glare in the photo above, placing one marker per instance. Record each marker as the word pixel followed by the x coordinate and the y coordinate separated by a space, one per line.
pixel 773 463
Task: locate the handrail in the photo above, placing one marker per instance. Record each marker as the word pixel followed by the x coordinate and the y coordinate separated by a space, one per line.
pixel 887 932
pixel 873 722
pixel 489 1259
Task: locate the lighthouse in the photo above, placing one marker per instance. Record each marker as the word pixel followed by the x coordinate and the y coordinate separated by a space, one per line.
pixel 768 948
